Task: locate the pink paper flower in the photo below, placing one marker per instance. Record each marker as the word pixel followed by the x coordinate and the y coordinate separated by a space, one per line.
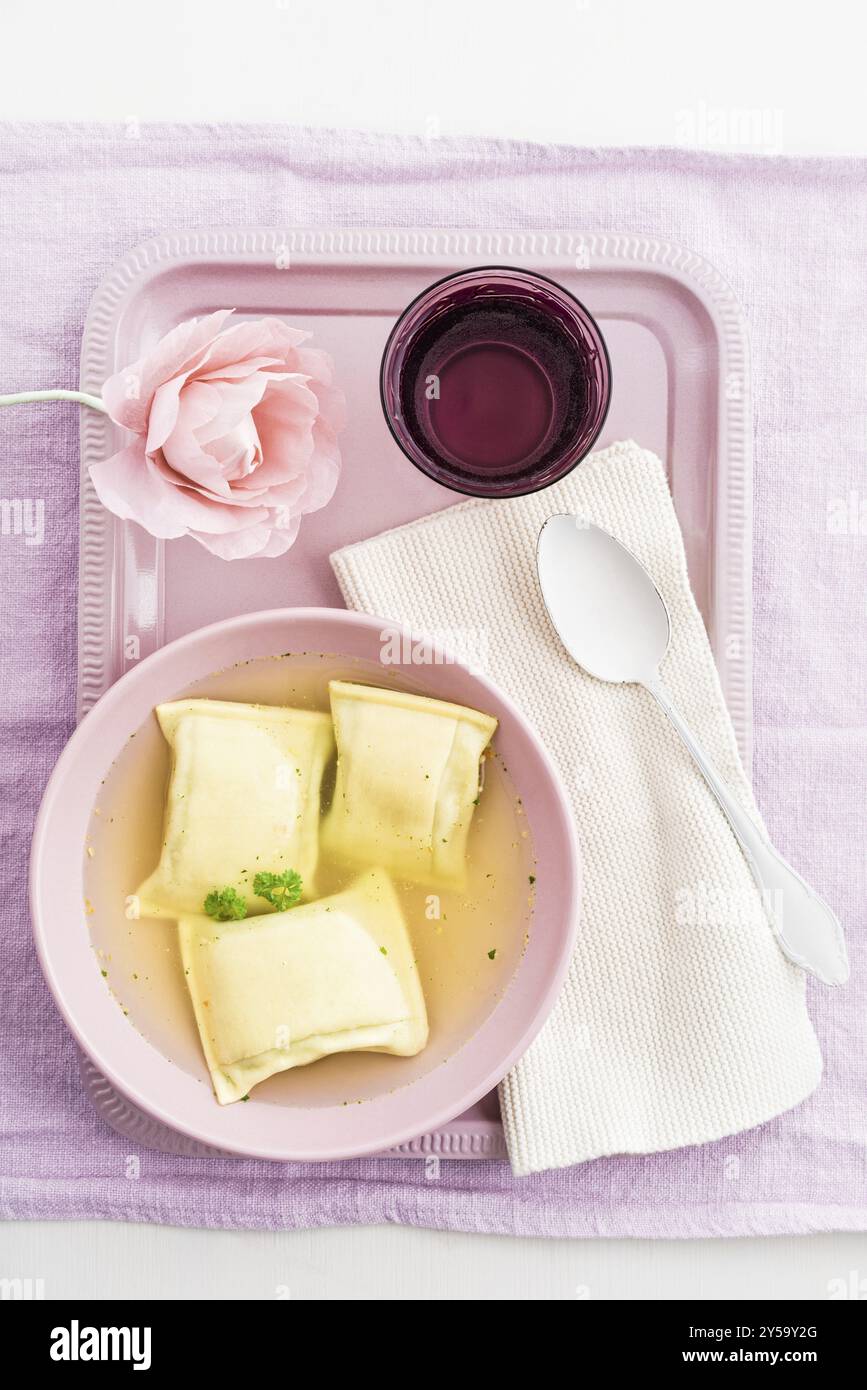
pixel 235 436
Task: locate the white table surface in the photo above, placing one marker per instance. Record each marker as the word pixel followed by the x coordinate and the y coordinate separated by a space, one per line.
pixel 778 76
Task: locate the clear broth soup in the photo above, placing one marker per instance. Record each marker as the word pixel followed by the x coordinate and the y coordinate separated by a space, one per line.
pixel 453 935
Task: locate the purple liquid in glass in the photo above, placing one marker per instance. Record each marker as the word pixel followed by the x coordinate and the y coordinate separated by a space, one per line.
pixel 495 382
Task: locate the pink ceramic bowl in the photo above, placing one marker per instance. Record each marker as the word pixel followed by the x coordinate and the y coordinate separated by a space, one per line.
pixel 167 1090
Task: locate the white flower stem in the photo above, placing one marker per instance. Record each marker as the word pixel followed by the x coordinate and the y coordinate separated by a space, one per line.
pixel 82 397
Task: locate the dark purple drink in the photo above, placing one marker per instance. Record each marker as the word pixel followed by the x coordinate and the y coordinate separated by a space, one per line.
pixel 495 382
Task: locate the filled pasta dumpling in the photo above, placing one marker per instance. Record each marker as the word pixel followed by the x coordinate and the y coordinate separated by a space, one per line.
pixel 243 795
pixel 407 782
pixel 275 992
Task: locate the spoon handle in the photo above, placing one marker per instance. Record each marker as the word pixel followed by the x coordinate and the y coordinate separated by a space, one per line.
pixel 807 930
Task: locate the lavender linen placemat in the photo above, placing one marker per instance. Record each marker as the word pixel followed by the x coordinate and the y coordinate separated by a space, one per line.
pixel 790 236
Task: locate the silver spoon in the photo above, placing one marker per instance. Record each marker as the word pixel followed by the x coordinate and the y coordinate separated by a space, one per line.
pixel 613 622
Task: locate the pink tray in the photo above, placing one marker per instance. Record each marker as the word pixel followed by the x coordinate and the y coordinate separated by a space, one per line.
pixel 678 348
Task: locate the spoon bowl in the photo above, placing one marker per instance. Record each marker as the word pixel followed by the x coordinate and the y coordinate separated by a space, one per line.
pixel 609 614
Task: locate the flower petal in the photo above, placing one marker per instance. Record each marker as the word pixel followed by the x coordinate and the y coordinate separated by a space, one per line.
pixel 235 371
pixel 131 489
pixel 238 453
pixel 128 394
pixel 242 545
pixel 284 422
pixel 266 337
pixel 237 400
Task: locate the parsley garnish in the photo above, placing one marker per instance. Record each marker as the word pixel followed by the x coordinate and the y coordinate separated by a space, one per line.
pixel 225 905
pixel 280 890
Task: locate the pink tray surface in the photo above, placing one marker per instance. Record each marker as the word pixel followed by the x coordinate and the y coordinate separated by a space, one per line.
pixel 680 368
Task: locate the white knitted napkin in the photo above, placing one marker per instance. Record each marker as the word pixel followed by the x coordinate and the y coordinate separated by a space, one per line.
pixel 680 1020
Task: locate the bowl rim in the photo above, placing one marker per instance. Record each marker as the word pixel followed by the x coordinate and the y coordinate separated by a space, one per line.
pixel 50 821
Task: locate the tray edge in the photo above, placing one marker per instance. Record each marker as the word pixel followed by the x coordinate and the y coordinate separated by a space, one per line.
pixel 482 1140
